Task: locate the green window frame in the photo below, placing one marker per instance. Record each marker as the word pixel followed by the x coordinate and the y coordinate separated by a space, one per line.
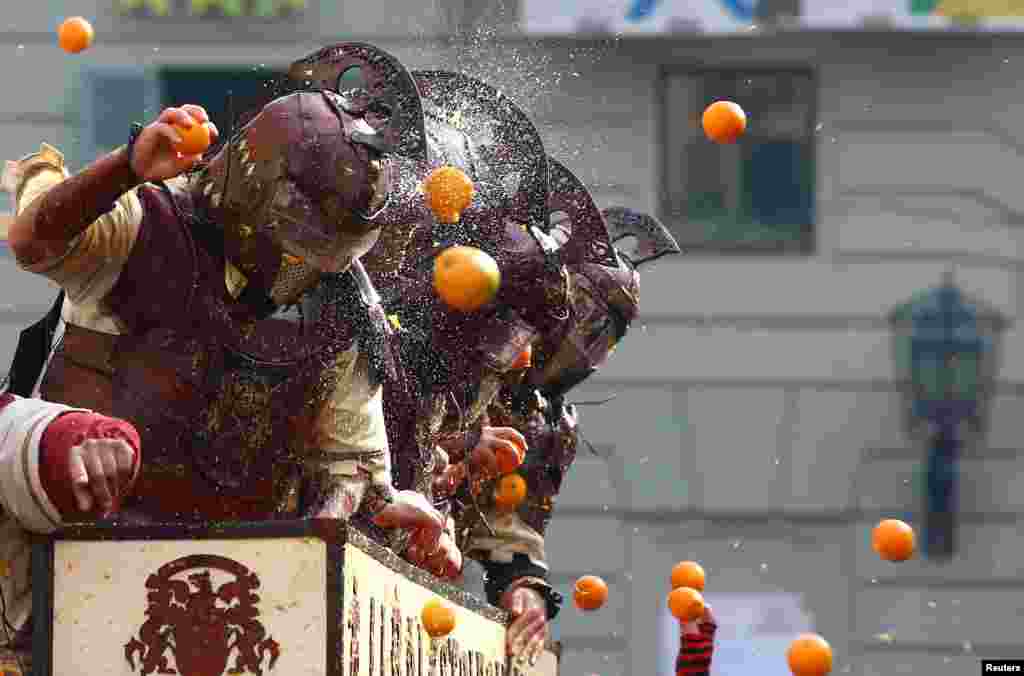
pixel 755 196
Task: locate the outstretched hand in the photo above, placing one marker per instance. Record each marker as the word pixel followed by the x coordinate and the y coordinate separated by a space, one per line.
pixel 429 547
pixel 704 626
pixel 154 157
pixel 529 629
pixel 482 462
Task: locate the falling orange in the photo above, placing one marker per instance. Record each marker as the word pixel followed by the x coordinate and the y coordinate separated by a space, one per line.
pixel 724 122
pixel 893 540
pixel 466 278
pixel 75 35
pixel 688 574
pixel 590 592
pixel 510 492
pixel 195 138
pixel 438 618
pixel 687 605
pixel 449 191
pixel 809 655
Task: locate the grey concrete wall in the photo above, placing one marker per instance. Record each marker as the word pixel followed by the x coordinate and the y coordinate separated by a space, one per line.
pixel 756 426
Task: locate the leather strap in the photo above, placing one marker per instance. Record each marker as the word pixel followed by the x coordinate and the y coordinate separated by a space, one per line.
pixel 34 347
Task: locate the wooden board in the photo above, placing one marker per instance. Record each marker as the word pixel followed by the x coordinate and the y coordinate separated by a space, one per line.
pixel 308 597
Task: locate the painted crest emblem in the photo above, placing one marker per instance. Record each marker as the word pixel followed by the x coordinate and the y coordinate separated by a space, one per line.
pixel 193 628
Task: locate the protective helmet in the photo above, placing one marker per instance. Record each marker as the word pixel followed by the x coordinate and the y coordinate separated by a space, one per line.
pixel 605 284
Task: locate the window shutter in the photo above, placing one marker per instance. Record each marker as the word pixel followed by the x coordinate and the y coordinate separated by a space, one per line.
pixel 113 98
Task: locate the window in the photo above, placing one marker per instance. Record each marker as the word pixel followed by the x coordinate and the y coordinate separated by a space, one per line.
pixel 225 92
pixel 110 100
pixel 757 195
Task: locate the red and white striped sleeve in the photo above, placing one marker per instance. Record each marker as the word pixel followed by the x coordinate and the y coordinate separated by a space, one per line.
pixel 696 650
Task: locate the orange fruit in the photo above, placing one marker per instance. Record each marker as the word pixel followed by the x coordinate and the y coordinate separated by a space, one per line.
pixel 590 592
pixel 75 35
pixel 524 360
pixel 509 459
pixel 688 574
pixel 466 278
pixel 893 540
pixel 438 618
pixel 686 604
pixel 510 492
pixel 809 655
pixel 195 139
pixel 449 191
pixel 724 122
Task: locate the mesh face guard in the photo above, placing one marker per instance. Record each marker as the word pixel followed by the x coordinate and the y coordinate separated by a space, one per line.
pixel 307 174
pixel 292 181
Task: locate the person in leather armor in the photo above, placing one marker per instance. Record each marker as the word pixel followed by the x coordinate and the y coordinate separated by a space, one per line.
pixel 216 308
pixel 604 301
pixel 453 363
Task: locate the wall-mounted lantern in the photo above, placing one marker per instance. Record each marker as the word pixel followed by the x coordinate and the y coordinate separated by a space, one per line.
pixel 947 350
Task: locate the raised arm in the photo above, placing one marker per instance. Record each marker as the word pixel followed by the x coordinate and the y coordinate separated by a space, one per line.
pixel 47 225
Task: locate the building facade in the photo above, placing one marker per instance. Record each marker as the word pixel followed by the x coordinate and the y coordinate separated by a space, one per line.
pixel 756 425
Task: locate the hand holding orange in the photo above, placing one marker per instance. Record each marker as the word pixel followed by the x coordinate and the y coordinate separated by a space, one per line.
pixel 483 462
pixel 509 458
pixel 195 138
pixel 724 122
pixel 75 35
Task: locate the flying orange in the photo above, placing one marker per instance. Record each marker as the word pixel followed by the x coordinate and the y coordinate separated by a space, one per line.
pixel 809 655
pixel 449 191
pixel 688 574
pixel 893 540
pixel 75 35
pixel 466 278
pixel 438 618
pixel 590 592
pixel 724 122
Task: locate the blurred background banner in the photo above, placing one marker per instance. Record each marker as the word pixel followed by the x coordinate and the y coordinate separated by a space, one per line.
pixel 562 17
pixel 982 15
pixel 567 17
